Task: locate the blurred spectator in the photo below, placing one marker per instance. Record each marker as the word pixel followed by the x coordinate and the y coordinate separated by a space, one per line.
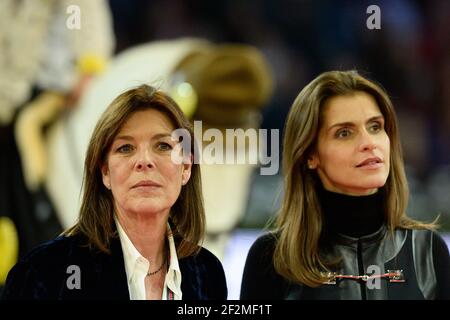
pixel 49 51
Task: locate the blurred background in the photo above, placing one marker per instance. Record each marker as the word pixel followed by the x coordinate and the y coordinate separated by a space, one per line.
pixel 409 56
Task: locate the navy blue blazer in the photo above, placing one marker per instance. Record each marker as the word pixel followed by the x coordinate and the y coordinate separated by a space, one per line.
pixel 44 273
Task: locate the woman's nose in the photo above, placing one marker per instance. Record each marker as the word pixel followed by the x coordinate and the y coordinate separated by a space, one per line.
pixel 145 160
pixel 368 142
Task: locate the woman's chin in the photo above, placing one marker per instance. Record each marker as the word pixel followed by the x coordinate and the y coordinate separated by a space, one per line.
pixel 368 189
pixel 148 208
pixel 358 189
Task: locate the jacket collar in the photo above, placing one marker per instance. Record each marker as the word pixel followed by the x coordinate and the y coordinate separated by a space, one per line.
pixel 366 240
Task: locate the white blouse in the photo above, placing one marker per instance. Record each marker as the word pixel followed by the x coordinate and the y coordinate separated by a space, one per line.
pixel 136 267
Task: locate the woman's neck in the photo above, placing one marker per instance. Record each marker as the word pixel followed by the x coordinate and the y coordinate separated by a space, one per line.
pixel 354 216
pixel 147 233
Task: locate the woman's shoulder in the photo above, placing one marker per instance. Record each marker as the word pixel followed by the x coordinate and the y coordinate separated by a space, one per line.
pixel 427 242
pixel 434 239
pixel 423 235
pixel 260 279
pixel 49 257
pixel 206 256
pixel 60 245
pixel 265 243
pixel 262 250
pixel 40 271
pixel 203 276
pixel 53 248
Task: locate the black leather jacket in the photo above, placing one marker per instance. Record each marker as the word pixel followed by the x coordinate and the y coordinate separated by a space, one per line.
pixel 421 256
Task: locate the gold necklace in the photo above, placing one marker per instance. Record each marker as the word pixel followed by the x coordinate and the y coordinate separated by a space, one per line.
pixel 159 269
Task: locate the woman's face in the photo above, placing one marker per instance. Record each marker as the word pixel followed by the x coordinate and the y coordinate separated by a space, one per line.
pixel 139 170
pixel 352 153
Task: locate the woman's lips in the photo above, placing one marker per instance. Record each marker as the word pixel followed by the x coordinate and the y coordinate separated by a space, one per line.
pixel 146 184
pixel 373 162
pixel 371 165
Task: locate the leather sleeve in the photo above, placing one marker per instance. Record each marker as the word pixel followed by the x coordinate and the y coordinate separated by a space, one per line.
pixel 441 260
pixel 260 281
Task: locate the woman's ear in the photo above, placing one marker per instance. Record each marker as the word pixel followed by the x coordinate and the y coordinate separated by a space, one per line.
pixel 187 168
pixel 313 162
pixel 105 176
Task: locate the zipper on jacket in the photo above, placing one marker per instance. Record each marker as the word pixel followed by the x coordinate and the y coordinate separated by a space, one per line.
pixel 362 284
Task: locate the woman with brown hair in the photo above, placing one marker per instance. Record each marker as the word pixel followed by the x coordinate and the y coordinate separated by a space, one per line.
pixel 141 217
pixel 342 231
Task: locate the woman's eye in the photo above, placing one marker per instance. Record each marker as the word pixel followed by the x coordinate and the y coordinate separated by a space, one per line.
pixel 125 148
pixel 164 146
pixel 376 127
pixel 343 133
